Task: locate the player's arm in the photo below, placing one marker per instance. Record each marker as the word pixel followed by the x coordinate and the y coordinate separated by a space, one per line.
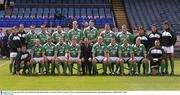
pixel 32 53
pixel 67 54
pixel 132 52
pixel 119 53
pixel 79 51
pixel 106 52
pixel 174 37
pixel 55 51
pixel 93 51
pixel 144 52
pixel 43 52
pixel 149 54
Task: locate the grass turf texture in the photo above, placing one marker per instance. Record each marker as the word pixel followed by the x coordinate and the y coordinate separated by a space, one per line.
pixel 14 82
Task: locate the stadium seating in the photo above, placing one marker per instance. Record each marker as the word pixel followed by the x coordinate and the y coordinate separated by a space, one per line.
pixel 37 12
pixel 147 12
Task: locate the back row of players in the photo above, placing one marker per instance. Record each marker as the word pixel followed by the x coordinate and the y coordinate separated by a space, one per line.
pixel 89 47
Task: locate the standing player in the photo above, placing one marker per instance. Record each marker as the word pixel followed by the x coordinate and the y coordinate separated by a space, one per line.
pixel 59 33
pixel 75 32
pixel 107 34
pixel 156 56
pixel 140 55
pixel 22 34
pixel 143 37
pixel 126 56
pixel 36 55
pixel 30 38
pixel 112 50
pixel 124 34
pixel 168 41
pixel 48 55
pixel 91 32
pixel 14 46
pixel 43 35
pixel 99 55
pixel 60 55
pixel 154 35
pixel 74 52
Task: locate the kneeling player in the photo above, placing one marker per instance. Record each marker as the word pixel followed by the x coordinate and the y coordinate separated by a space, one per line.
pixel 22 61
pixel 48 55
pixel 140 56
pixel 156 57
pixel 60 57
pixel 126 56
pixel 112 50
pixel 73 53
pixel 36 56
pixel 99 55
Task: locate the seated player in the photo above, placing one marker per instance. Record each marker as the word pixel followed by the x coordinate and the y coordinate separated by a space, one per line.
pixel 112 50
pixel 74 52
pixel 99 55
pixel 48 55
pixel 22 61
pixel 36 55
pixel 140 56
pixel 126 56
pixel 156 57
pixel 60 57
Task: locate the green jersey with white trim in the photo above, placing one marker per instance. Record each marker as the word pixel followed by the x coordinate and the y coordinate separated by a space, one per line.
pixel 121 36
pixel 99 49
pixel 56 35
pixel 30 39
pixel 107 37
pixel 37 51
pixel 113 50
pixel 91 34
pixel 125 51
pixel 48 49
pixel 60 49
pixel 77 34
pixel 139 50
pixel 43 37
pixel 74 50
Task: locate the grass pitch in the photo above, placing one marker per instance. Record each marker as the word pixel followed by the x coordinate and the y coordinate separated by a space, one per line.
pixel 13 82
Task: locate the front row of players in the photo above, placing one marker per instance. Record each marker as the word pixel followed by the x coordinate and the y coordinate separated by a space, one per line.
pixel 52 56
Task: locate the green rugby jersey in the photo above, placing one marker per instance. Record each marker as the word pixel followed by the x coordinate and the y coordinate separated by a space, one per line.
pixel 56 35
pixel 43 37
pixel 61 49
pixel 125 51
pixel 113 50
pixel 91 34
pixel 121 36
pixel 77 34
pixel 37 51
pixel 107 37
pixel 74 50
pixel 99 49
pixel 30 39
pixel 48 49
pixel 139 50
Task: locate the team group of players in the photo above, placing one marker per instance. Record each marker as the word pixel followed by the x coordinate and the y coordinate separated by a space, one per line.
pixel 88 47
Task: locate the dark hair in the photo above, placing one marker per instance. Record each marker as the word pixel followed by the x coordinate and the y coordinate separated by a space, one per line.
pixel 166 22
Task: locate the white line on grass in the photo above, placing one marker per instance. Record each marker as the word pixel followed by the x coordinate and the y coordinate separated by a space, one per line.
pixel 3 64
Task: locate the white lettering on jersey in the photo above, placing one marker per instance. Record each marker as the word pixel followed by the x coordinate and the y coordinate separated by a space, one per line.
pixel 24 56
pixel 16 38
pixel 167 34
pixel 154 36
pixel 156 51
